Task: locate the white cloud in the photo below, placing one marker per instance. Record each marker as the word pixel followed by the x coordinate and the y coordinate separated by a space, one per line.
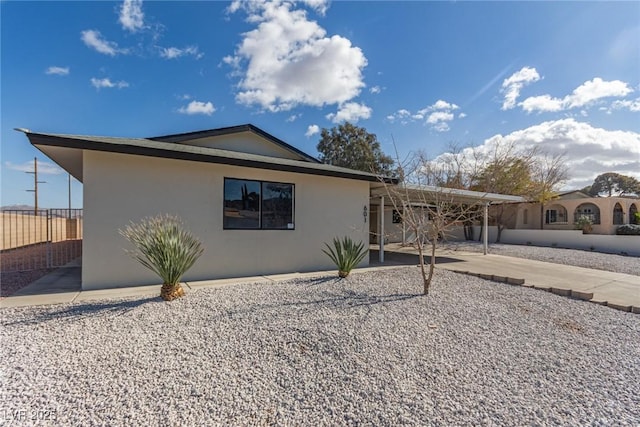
pixel 589 151
pixel 57 71
pixel 541 103
pixel 439 120
pixel 462 115
pixel 512 86
pixel 291 61
pixel 443 105
pixel 312 130
pixel 174 52
pixel 437 116
pixel 350 112
pixel 584 95
pixel 107 83
pixel 630 104
pixel 292 118
pixel 94 40
pixel 198 107
pixel 131 15
pixel 320 6
pixel 375 90
pixel 596 89
pixel 43 167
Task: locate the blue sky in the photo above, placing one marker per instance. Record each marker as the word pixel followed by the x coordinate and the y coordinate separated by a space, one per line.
pixel 561 75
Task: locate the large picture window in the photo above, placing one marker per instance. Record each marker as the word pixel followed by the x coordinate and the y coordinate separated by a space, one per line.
pixel 258 205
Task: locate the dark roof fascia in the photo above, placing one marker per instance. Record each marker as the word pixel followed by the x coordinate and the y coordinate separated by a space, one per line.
pixel 191 153
pixel 181 137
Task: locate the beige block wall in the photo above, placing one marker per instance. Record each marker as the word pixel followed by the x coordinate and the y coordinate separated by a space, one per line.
pixel 119 188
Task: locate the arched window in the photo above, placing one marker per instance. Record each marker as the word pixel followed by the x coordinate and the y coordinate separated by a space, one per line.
pixel 618 214
pixel 555 214
pixel 588 210
pixel 633 211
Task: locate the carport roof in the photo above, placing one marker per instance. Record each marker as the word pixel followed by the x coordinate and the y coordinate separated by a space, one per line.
pixel 421 193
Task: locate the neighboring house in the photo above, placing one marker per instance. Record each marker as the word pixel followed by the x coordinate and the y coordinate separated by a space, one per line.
pixel 561 213
pixel 259 205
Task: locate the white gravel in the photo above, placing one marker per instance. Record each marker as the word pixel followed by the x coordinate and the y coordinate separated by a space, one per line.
pixel 368 350
pixel 576 257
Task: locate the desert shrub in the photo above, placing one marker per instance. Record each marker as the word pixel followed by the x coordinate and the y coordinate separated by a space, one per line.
pixel 346 254
pixel 164 247
pixel 628 230
pixel 584 223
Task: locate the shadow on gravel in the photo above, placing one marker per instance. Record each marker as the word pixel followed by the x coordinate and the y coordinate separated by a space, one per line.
pixel 82 311
pixel 332 280
pixel 403 258
pixel 348 300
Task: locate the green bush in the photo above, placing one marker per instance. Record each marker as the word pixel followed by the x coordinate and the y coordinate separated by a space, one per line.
pixel 628 230
pixel 164 247
pixel 346 254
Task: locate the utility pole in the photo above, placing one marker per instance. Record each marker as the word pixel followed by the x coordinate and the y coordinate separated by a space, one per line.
pixel 35 184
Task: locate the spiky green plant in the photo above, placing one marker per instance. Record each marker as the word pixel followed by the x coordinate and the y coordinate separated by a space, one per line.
pixel 163 246
pixel 346 254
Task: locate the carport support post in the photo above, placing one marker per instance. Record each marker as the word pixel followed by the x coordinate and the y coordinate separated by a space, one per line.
pixel 381 228
pixel 485 225
pixel 404 227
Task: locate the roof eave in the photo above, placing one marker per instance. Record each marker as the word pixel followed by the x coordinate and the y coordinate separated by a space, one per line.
pixel 37 139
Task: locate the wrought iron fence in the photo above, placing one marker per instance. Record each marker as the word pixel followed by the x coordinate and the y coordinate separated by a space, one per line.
pixel 43 238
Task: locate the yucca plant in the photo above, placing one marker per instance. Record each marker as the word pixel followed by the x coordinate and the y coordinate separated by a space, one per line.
pixel 346 254
pixel 164 247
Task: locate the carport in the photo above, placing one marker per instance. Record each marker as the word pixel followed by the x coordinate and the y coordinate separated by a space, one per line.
pixel 412 195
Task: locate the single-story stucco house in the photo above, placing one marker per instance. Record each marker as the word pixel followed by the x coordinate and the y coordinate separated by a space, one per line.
pixel 259 205
pixel 562 213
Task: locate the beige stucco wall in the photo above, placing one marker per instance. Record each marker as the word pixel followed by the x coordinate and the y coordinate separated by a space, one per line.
pixel 119 188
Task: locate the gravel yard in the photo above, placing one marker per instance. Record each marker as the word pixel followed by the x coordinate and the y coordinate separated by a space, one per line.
pixel 368 350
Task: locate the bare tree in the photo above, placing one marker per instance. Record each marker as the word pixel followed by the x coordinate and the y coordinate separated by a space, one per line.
pixel 548 173
pixel 426 210
pixel 505 168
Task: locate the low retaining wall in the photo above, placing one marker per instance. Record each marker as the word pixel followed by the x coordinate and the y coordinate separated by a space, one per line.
pixel 571 239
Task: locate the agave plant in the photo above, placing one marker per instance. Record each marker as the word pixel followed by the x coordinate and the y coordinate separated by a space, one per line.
pixel 346 254
pixel 164 247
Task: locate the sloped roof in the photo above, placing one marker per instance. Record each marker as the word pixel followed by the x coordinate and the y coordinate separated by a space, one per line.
pixel 574 194
pixel 65 150
pixel 183 137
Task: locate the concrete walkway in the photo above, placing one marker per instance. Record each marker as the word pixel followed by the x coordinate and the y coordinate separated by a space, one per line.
pixel 621 291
